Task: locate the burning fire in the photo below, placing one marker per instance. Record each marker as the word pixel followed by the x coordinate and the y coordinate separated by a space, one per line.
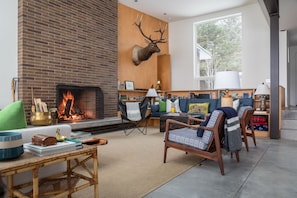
pixel 67 109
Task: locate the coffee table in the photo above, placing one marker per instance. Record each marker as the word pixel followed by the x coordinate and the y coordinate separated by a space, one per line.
pixel 63 184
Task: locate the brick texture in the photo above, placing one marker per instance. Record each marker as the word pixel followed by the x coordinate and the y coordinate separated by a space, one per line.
pixel 67 42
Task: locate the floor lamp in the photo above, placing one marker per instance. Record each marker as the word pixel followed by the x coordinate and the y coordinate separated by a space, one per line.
pixel 227 80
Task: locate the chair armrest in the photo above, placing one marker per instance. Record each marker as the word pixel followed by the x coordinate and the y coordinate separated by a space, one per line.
pixel 199 120
pixel 171 121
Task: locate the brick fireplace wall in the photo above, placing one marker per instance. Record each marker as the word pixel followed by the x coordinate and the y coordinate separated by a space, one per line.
pixel 67 42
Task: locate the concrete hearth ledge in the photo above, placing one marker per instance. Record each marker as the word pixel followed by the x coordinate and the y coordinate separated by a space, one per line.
pixel 95 123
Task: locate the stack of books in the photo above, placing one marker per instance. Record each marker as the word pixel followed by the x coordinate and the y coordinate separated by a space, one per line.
pixel 80 135
pixel 60 147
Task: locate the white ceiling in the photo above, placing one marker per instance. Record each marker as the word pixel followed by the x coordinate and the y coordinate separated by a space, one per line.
pixel 174 10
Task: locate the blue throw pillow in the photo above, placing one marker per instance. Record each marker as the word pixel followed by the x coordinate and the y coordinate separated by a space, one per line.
pixel 155 108
pixel 201 131
pixel 245 102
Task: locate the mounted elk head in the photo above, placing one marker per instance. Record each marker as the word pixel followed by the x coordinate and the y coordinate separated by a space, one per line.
pixel 139 53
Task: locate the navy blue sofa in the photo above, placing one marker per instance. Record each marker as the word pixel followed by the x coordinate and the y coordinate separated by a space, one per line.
pixel 213 104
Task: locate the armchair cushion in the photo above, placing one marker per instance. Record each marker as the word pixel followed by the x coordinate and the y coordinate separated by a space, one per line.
pixel 188 136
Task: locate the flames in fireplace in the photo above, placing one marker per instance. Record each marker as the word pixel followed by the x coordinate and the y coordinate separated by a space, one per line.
pixel 79 103
pixel 68 110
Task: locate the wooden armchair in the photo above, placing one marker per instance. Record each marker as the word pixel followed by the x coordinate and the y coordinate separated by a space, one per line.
pixel 245 120
pixel 208 146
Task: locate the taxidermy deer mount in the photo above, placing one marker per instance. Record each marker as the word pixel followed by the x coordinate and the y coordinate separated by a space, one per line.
pixel 139 53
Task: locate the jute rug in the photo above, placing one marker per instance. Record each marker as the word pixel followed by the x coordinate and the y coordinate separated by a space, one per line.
pixel 132 166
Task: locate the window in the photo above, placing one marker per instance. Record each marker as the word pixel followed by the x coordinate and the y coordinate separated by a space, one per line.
pixel 217 48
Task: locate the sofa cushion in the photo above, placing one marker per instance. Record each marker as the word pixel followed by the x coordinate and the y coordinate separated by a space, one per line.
pixel 162 106
pixel 184 103
pixel 236 104
pixel 245 102
pixel 198 108
pixel 169 104
pixel 13 116
pixel 155 108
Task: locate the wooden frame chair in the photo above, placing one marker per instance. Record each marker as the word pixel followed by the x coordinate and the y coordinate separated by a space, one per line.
pixel 245 121
pixel 208 146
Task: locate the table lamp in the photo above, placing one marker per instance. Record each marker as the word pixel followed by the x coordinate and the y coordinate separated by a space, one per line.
pixel 227 80
pixel 151 94
pixel 262 91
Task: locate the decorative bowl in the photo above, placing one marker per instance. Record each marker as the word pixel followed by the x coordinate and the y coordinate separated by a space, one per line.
pixel 41 118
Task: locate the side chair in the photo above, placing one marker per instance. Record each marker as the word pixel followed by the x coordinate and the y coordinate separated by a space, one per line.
pixel 245 115
pixel 134 116
pixel 207 146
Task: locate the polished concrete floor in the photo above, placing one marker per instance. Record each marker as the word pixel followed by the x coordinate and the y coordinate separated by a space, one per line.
pixel 267 170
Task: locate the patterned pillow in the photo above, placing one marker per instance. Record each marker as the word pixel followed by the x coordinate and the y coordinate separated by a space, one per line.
pixel 198 108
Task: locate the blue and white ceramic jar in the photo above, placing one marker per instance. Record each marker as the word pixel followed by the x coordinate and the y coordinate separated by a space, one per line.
pixel 11 145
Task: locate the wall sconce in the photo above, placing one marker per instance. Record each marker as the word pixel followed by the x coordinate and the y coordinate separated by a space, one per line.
pixel 262 91
pixel 227 80
pixel 158 87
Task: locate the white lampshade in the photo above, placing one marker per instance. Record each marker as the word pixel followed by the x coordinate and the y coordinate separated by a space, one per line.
pixel 227 80
pixel 262 89
pixel 151 93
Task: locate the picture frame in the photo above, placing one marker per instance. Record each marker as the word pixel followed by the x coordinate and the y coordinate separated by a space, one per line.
pixel 129 85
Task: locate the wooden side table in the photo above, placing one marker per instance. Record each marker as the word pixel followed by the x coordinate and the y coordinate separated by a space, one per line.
pixel 62 184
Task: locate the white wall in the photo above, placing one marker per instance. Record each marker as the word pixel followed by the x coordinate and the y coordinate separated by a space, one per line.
pixel 8 48
pixel 256 48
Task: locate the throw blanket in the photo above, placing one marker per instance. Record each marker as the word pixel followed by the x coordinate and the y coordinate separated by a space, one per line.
pixel 133 111
pixel 232 140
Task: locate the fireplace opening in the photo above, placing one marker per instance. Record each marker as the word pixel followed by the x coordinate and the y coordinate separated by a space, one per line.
pixel 79 103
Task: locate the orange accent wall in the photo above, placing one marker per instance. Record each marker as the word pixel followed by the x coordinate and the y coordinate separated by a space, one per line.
pixel 145 74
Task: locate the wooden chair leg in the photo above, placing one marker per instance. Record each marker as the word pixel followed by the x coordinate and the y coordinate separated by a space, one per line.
pixel 221 164
pixel 165 153
pixel 254 137
pixel 245 140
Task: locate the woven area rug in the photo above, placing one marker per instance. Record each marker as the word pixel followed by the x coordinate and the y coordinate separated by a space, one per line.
pixel 132 166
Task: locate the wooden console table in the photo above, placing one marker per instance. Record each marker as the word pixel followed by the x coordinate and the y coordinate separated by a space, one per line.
pixel 63 184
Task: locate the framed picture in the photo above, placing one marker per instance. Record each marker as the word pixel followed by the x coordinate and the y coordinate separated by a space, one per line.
pixel 129 85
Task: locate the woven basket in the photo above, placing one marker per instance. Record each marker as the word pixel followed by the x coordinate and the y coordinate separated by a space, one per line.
pixel 11 145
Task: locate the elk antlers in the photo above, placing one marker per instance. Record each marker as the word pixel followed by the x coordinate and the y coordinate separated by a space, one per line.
pixel 161 40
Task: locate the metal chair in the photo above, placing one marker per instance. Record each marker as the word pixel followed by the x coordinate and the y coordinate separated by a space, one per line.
pixel 134 116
